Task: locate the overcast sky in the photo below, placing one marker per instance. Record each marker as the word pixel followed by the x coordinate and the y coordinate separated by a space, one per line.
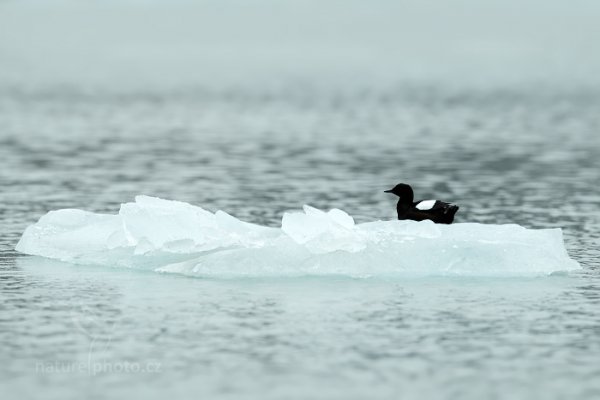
pixel 176 42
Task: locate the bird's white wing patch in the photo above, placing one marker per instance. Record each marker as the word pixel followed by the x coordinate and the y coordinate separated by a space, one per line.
pixel 426 205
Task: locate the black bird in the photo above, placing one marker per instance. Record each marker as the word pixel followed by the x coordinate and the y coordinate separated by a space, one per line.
pixel 435 210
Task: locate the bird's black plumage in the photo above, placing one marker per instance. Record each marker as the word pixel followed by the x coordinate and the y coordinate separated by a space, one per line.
pixel 435 210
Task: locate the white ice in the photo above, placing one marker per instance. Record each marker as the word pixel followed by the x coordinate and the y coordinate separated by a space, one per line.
pixel 171 236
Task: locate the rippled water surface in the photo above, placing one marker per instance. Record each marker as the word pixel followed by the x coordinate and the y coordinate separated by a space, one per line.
pixel 503 156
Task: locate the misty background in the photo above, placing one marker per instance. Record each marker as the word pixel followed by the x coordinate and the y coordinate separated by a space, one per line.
pixel 149 44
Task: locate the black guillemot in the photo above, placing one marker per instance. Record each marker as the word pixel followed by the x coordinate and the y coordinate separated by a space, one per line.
pixel 435 210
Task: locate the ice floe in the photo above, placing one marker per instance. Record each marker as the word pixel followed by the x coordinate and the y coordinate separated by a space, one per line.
pixel 177 237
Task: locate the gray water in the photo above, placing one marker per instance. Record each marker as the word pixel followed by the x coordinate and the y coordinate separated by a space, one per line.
pixel 525 153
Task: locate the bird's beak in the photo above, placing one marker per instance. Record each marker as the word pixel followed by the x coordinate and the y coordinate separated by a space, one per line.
pixel 388 191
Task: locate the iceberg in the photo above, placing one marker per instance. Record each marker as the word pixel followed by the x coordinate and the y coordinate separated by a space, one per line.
pixel 175 237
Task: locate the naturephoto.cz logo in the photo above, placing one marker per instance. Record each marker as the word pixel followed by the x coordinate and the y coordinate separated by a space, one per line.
pixel 95 368
pixel 97 325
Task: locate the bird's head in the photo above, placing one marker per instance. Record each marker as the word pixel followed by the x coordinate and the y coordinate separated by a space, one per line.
pixel 402 190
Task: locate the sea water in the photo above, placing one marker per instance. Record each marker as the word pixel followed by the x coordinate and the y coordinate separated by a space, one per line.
pixel 80 130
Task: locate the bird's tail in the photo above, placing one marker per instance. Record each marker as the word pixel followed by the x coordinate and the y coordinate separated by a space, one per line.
pixel 452 209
